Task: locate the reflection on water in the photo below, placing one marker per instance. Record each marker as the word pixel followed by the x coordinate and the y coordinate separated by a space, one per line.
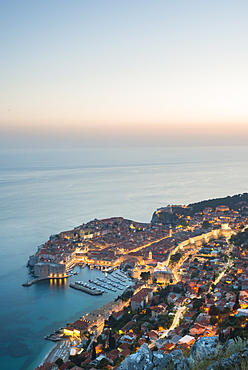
pixel 58 283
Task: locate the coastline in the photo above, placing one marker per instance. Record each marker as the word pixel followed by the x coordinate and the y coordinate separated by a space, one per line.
pixel 60 350
pixel 50 354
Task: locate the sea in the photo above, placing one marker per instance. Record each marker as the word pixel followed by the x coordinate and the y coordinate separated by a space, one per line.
pixel 44 192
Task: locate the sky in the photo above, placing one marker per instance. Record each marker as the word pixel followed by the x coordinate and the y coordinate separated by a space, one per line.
pixel 116 73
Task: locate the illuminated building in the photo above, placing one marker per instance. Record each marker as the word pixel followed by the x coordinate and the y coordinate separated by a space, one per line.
pixel 162 274
pixel 42 269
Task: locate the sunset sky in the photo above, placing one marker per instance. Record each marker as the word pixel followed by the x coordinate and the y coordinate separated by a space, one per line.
pixel 130 72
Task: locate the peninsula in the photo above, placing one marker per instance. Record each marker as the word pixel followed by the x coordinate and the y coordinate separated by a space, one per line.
pixel 189 271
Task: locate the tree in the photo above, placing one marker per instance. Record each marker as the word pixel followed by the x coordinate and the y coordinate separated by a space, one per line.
pixel 222 337
pixel 148 311
pixel 205 224
pixel 214 311
pixel 214 320
pixel 236 304
pixel 59 361
pixel 145 275
pixel 93 355
pixel 112 343
pixel 152 302
pixel 103 363
pixel 197 303
pixel 175 257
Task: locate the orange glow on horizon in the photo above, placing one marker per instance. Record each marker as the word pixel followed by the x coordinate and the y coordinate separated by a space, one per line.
pixel 126 132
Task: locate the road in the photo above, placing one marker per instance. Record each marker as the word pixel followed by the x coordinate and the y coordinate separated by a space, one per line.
pixel 175 322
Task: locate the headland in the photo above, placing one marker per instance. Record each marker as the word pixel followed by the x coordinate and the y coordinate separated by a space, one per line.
pixel 180 262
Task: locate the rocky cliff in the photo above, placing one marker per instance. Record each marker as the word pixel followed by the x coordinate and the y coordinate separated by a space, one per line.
pixel 206 354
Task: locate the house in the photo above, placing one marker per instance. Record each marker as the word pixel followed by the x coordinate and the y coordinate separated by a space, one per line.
pixel 47 366
pixel 145 327
pixel 128 338
pixel 65 365
pixel 128 326
pixel 123 346
pixel 167 347
pixel 156 298
pixel 86 361
pixel 189 315
pixel 126 352
pixel 187 339
pixel 141 298
pixel 242 312
pixel 112 357
pixel 118 315
pixel 141 341
pixel 153 334
pixel 197 329
pixel 180 301
pixel 175 339
pixel 97 360
pixel 157 311
pixel 203 319
pixel 172 297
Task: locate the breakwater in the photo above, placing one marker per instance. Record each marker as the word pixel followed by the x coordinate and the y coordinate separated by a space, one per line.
pixel 85 289
pixel 29 283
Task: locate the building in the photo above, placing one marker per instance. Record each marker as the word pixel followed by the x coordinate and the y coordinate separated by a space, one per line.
pixel 140 299
pixel 162 274
pixel 43 269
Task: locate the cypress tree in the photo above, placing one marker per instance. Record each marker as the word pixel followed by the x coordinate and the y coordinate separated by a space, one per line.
pixel 236 304
pixel 112 343
pixel 93 355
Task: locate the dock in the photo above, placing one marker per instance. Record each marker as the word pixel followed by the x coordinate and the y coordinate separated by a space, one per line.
pixel 85 289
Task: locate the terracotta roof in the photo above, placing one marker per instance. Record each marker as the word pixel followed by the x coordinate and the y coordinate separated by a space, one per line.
pixel 126 352
pixel 47 366
pixel 167 347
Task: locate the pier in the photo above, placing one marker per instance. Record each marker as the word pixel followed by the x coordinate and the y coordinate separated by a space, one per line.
pixel 29 283
pixel 86 289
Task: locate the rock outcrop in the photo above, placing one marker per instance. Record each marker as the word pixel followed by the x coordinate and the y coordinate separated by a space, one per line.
pixel 165 218
pixel 204 351
pixel 237 361
pixel 143 359
pixel 205 347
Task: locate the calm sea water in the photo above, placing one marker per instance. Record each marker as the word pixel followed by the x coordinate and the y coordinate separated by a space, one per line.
pixel 45 192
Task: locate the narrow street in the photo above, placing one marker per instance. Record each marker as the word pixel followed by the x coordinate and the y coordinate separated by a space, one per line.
pixel 175 322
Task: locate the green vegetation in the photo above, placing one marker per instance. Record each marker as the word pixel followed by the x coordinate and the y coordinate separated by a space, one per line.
pixel 198 303
pixel 182 223
pixel 240 238
pixel 93 355
pixel 232 202
pixel 112 344
pixel 175 258
pixel 145 275
pixel 233 347
pixel 59 361
pixel 126 295
pixel 116 325
pixel 205 224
